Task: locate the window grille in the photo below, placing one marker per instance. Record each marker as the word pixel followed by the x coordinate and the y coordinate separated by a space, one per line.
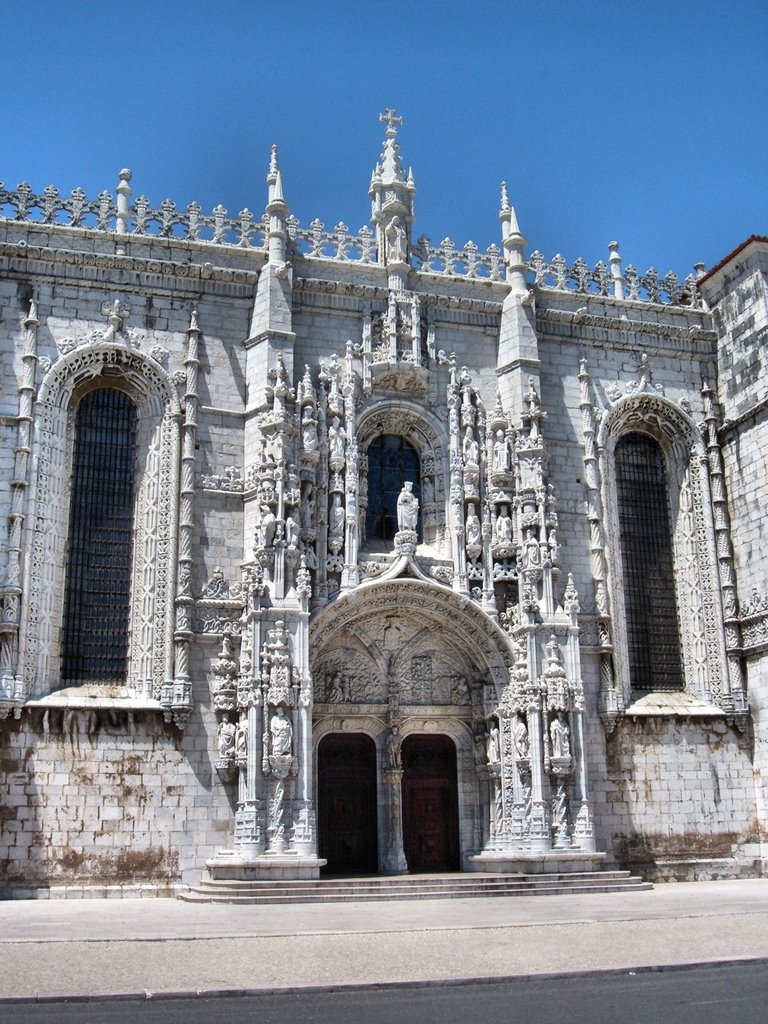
pixel 653 634
pixel 100 549
pixel 391 461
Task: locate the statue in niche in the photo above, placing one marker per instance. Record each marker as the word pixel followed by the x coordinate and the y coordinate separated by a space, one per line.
pixel 470 448
pixel 291 532
pixel 407 508
pixel 493 749
pixel 241 739
pixel 266 529
pixel 308 430
pixel 522 741
pixel 394 755
pixel 336 518
pixel 281 731
pixel 336 438
pixel 531 552
pixel 560 736
pixel 308 508
pixel 473 528
pixel 501 453
pixel 503 527
pixel 396 241
pixel 226 737
pixel 554 547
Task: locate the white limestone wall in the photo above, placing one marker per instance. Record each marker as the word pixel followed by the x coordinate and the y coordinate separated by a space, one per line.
pixel 122 810
pixel 672 796
pixel 738 295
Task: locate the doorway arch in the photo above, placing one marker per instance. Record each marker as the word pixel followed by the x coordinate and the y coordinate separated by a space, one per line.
pixel 346 804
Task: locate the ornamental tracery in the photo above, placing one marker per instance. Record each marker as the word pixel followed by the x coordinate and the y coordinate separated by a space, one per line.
pixel 106 359
pixel 711 676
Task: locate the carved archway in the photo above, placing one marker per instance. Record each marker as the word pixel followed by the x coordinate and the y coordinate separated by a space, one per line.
pixel 386 625
pixel 87 367
pixel 697 586
pixel 428 436
pixel 404 659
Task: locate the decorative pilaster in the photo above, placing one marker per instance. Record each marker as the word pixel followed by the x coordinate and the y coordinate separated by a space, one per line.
pixel 177 698
pixel 13 690
pixel 611 699
pixel 734 699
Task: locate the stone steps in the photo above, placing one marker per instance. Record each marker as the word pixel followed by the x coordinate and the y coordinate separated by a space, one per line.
pixel 411 887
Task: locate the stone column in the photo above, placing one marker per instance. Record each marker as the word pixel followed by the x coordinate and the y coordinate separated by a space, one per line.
pixel 393 861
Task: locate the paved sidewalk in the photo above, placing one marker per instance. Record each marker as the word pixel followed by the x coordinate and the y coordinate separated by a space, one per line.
pixel 52 948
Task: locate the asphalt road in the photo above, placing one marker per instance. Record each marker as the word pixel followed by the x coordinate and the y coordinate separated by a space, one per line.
pixel 719 994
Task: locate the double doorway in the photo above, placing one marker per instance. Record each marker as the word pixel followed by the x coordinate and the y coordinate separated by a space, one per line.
pixel 355 816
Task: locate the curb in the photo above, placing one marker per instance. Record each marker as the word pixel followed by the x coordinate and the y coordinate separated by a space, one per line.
pixel 233 993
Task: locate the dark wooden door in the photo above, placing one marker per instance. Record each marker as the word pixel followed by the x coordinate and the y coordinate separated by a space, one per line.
pixel 346 799
pixel 430 804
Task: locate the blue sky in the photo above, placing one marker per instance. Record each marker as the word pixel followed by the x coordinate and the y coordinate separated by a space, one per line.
pixel 640 121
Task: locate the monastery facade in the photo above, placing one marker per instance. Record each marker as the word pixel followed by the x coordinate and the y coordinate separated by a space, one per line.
pixel 354 554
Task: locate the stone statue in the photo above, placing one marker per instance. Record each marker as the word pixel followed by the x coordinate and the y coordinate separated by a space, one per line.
pixel 308 508
pixel 336 517
pixel 554 547
pixel 473 528
pixel 308 430
pixel 407 508
pixel 396 241
pixel 393 750
pixel 503 527
pixel 560 736
pixel 335 689
pixel 501 453
pixel 226 737
pixel 522 742
pixel 266 531
pixel 531 552
pixel 470 448
pixel 241 739
pixel 291 532
pixel 336 437
pixel 492 749
pixel 282 732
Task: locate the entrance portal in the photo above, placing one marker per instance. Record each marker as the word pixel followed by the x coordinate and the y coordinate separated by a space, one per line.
pixel 430 804
pixel 346 804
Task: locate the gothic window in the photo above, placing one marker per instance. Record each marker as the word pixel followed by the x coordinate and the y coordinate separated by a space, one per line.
pixel 647 554
pixel 100 542
pixel 391 461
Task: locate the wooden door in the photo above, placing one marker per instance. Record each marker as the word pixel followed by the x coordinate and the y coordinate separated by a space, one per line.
pixel 430 804
pixel 346 804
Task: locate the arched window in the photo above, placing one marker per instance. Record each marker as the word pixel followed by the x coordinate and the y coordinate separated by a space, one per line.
pixel 100 540
pixel 391 461
pixel 645 534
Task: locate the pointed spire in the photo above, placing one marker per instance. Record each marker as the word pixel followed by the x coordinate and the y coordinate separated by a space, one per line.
pixel 275 179
pixel 391 166
pixel 514 243
pixel 504 200
pixel 277 212
pixel 392 202
pixel 193 325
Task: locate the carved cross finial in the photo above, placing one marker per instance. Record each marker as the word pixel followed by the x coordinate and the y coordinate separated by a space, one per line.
pixel 391 120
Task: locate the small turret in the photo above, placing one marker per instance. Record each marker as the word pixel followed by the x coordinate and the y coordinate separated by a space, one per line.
pixel 392 195
pixel 277 211
pixel 514 243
